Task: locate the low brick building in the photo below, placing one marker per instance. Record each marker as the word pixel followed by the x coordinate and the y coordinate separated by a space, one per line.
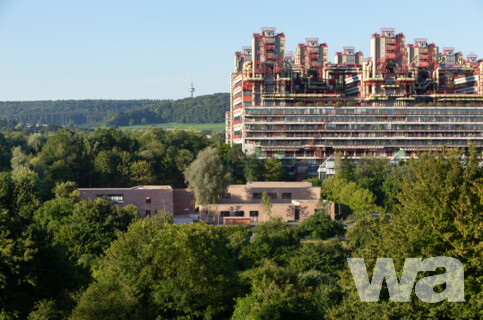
pixel 147 199
pixel 292 201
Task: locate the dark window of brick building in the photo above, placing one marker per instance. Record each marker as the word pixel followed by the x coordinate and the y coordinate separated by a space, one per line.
pixel 257 195
pixel 253 213
pixel 148 199
pixel 287 196
pixel 225 213
pixel 272 195
pixel 239 213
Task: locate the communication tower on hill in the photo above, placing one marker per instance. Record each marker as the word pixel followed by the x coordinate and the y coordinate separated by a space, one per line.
pixel 191 89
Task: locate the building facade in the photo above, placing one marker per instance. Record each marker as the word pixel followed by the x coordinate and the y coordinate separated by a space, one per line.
pixel 302 109
pixel 291 201
pixel 148 199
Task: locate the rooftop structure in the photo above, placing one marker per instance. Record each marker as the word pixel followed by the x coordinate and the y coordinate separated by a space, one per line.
pixel 402 99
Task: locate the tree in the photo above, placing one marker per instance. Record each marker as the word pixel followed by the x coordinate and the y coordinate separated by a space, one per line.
pixel 328 257
pixel 392 184
pixel 166 271
pixel 274 240
pixel 254 168
pixel 5 153
pixel 282 293
pixel 320 226
pixel 360 200
pixel 67 146
pixel 19 160
pixel 273 170
pixel 35 141
pixel 66 189
pixel 439 215
pixel 207 176
pixel 84 228
pixel 141 173
pixel 183 159
pixel 267 206
pixel 344 167
pixel 370 174
pixel 234 159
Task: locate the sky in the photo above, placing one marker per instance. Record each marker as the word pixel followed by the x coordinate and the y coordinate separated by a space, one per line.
pixel 147 49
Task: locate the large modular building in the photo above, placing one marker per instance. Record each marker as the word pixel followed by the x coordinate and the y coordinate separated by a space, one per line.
pixel 302 108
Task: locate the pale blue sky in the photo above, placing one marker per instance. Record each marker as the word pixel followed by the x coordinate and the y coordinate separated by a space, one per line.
pixel 116 49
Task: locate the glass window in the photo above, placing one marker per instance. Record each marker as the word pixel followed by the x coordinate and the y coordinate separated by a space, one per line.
pixel 148 212
pixel 253 213
pixel 148 199
pixel 224 213
pixel 257 195
pixel 239 213
pixel 272 195
pixel 287 195
pixel 115 198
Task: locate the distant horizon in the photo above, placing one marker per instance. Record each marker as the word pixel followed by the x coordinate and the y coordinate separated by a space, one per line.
pixel 113 99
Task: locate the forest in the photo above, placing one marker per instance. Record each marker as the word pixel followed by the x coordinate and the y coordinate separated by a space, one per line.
pixel 62 257
pixel 202 109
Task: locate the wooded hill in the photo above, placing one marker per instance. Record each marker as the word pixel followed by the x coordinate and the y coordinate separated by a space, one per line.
pixel 203 109
pixel 66 112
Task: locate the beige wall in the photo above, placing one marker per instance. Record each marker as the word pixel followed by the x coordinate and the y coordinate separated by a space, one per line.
pixel 298 190
pixel 286 211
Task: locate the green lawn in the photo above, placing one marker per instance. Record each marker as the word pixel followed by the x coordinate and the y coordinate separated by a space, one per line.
pixel 218 127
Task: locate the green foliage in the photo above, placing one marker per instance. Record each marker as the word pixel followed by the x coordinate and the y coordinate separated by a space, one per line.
pixel 5 153
pixel 392 185
pixel 233 159
pixel 439 214
pixel 360 200
pixel 328 257
pixel 320 226
pixel 273 170
pixel 282 293
pixel 85 228
pixel 36 141
pixel 66 112
pixel 274 240
pixel 31 267
pixel 57 251
pixel 370 174
pixel 254 169
pixel 266 205
pixel 66 190
pixel 207 176
pixel 45 310
pixel 202 109
pixel 166 271
pixel 316 182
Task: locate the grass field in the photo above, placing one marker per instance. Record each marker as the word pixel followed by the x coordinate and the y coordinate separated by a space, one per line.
pixel 218 127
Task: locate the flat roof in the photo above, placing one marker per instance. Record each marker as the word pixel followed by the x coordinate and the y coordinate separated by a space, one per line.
pixel 153 187
pixel 274 184
pixel 250 202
